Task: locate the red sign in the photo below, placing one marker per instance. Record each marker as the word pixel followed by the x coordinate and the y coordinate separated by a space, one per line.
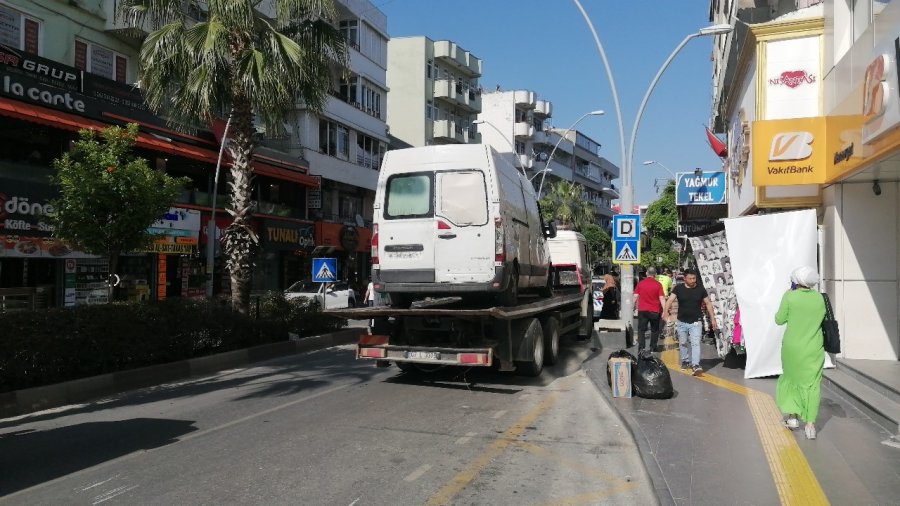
pixel 793 78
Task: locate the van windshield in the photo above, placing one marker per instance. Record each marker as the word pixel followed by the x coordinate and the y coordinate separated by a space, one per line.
pixel 409 196
pixel 463 198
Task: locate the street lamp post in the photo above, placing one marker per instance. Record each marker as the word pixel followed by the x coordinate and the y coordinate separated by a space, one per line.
pixel 627 193
pixel 211 225
pixel 652 162
pixel 563 136
pixel 538 173
pixel 502 136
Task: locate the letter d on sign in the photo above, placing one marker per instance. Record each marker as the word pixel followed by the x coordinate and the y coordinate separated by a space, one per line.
pixel 626 228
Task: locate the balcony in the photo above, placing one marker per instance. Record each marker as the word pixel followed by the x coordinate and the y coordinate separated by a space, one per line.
pixel 445 90
pixel 526 98
pixel 444 129
pixel 474 64
pixel 543 108
pixel 523 129
pixel 525 161
pixel 117 27
pixel 471 101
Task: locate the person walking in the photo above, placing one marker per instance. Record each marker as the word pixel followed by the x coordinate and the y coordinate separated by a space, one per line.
pixel 610 309
pixel 369 298
pixel 649 300
pixel 665 279
pixel 692 300
pixel 798 392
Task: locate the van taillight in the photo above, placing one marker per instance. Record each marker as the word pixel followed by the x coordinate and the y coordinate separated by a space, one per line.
pixel 499 250
pixel 442 225
pixel 374 245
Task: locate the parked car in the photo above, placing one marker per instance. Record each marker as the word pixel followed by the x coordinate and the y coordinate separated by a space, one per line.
pixel 597 285
pixel 457 220
pixel 338 295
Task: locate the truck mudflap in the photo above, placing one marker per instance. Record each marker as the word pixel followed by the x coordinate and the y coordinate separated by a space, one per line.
pixel 379 348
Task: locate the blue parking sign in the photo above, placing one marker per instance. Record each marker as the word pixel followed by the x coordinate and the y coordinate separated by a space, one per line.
pixel 324 270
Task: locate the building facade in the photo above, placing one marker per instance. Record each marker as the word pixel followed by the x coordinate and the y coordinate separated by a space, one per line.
pixel 517 120
pixel 823 75
pixel 434 91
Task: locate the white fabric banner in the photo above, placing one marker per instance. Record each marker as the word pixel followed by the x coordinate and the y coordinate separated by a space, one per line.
pixel 764 250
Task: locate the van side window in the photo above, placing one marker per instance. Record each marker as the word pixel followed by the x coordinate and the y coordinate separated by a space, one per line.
pixel 463 198
pixel 409 196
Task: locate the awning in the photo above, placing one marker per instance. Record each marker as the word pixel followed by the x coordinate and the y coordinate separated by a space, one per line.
pixel 267 169
pixel 57 119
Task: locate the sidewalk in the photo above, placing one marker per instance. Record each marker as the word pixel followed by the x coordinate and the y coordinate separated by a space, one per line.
pixel 720 441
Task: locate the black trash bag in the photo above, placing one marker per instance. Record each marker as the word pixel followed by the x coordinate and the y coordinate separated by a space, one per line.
pixel 735 360
pixel 650 379
pixel 619 354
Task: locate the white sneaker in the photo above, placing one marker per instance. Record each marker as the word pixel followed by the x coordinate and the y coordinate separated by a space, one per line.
pixel 810 431
pixel 792 423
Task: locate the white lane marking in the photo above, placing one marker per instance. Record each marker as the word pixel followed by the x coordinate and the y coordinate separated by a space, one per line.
pixel 525 396
pixel 356 500
pixel 465 439
pixel 415 475
pixel 891 442
pixel 498 414
pixel 180 440
pixel 113 493
pixel 99 483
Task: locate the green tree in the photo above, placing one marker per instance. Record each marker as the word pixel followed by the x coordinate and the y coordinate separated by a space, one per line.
pixel 599 243
pixel 565 203
pixel 241 64
pixel 661 222
pixel 108 196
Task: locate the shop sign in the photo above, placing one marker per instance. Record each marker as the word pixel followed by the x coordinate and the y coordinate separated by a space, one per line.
pixel 25 207
pixel 881 93
pixel 177 219
pixel 789 152
pixel 793 78
pixel 170 248
pixel 706 189
pixel 44 71
pixel 288 236
pixel 689 228
pixel 314 195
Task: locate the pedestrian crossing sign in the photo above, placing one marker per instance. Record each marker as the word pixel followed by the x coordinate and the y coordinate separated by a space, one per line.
pixel 324 270
pixel 626 252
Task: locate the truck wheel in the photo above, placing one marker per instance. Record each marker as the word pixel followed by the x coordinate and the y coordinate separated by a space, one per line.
pixel 551 340
pixel 532 334
pixel 587 322
pixel 510 296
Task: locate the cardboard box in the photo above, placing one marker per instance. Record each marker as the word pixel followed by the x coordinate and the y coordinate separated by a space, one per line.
pixel 621 376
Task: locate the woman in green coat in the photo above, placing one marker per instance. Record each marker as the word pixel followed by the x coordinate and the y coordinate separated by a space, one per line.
pixel 802 351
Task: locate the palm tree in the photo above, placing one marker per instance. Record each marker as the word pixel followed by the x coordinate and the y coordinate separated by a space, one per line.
pixel 564 202
pixel 244 65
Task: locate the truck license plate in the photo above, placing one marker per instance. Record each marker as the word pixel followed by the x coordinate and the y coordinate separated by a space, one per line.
pixel 424 355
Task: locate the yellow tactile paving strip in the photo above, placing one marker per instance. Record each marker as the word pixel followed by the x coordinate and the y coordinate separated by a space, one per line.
pixel 794 479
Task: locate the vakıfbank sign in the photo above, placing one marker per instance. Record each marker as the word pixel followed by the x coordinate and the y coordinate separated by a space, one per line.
pixel 806 150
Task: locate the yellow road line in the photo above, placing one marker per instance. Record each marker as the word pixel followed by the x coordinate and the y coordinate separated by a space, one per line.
pixel 794 478
pixel 467 475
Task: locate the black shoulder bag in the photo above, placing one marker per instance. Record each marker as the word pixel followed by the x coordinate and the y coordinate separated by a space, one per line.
pixel 830 331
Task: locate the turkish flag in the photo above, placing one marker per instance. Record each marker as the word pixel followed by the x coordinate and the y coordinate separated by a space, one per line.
pixel 718 146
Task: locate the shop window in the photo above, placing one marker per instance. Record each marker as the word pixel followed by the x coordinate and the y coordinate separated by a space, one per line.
pixel 101 61
pixel 19 30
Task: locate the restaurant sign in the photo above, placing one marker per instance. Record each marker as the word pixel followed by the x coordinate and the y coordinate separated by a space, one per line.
pixel 288 236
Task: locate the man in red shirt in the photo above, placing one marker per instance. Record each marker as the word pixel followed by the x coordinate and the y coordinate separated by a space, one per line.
pixel 649 298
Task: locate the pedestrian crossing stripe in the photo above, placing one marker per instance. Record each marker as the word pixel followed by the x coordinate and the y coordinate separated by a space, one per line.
pixel 626 254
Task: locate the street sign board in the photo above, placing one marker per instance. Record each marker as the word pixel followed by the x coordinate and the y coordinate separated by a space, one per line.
pixel 626 227
pixel 685 228
pixel 626 252
pixel 705 189
pixel 324 270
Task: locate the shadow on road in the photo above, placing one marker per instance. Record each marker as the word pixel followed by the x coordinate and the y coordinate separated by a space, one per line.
pixel 28 458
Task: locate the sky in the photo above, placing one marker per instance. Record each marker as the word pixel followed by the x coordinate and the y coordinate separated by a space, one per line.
pixel 547 47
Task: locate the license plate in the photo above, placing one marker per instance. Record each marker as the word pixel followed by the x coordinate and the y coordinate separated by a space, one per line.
pixel 424 355
pixel 405 255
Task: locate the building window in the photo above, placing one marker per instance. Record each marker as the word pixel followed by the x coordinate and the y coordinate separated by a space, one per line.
pixel 429 109
pixel 347 90
pixel 101 61
pixel 20 31
pixel 429 72
pixel 350 30
pixel 371 99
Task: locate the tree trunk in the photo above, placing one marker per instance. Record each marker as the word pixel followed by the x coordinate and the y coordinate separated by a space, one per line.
pixel 241 243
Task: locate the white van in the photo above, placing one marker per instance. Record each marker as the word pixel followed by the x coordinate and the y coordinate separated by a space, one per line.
pixel 569 253
pixel 456 219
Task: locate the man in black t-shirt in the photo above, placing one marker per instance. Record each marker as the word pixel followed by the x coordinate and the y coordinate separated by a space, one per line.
pixel 692 300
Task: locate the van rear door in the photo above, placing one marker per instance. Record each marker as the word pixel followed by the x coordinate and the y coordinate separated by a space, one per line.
pixel 464 232
pixel 406 230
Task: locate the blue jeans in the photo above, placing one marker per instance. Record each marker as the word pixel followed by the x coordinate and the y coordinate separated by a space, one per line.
pixel 690 331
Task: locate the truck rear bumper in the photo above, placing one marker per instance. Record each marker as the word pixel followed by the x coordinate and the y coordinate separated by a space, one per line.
pixel 400 282
pixel 469 357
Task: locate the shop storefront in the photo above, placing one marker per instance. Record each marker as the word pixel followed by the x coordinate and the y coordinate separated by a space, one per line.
pixel 284 254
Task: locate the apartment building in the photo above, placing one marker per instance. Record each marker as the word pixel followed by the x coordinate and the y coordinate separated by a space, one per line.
pixel 434 91
pixel 517 121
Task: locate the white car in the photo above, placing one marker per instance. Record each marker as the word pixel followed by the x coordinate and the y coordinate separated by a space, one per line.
pixel 339 295
pixel 597 292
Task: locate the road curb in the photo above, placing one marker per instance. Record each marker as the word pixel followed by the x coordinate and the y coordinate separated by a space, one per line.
pixel 29 400
pixel 595 369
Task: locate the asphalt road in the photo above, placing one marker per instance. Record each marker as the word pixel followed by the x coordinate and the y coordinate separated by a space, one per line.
pixel 323 428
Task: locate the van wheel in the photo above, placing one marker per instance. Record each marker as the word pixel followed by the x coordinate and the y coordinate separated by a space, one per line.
pixel 533 334
pixel 510 296
pixel 551 340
